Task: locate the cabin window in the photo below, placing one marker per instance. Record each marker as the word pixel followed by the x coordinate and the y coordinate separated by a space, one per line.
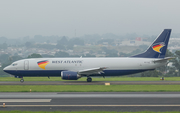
pixel 14 64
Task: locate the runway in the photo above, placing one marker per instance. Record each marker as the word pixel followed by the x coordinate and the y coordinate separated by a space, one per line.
pixel 90 83
pixel 100 101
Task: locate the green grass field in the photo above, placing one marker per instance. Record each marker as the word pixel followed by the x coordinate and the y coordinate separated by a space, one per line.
pixel 84 112
pixel 94 79
pixel 90 88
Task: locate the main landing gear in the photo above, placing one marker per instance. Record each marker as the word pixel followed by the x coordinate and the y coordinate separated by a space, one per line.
pixel 22 80
pixel 89 79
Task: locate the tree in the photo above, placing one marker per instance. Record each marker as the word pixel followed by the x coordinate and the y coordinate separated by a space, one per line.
pixel 70 46
pixel 76 41
pixel 34 55
pixel 3 39
pixel 4 46
pixel 104 49
pixel 46 46
pixel 143 47
pixel 4 58
pixel 3 66
pixel 15 58
pixel 111 53
pixel 63 41
pixel 110 41
pixel 162 70
pixel 153 73
pixel 135 52
pixel 60 46
pixel 7 60
pixel 89 55
pixel 61 54
pixel 47 56
pixel 177 60
pixel 28 44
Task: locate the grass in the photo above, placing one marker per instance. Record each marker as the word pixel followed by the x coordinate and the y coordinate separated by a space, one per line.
pixel 94 79
pixel 90 88
pixel 84 112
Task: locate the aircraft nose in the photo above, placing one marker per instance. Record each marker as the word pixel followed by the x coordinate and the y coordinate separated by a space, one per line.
pixel 10 70
pixel 5 69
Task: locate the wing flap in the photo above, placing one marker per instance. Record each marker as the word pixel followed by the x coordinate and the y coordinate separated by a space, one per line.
pixel 91 71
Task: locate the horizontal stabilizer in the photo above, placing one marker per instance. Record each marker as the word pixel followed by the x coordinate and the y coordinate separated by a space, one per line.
pixel 163 60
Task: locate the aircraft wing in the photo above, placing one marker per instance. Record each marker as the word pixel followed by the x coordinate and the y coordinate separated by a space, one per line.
pixel 92 71
pixel 162 60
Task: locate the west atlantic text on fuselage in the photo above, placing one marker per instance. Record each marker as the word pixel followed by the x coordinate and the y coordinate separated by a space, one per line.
pixel 67 61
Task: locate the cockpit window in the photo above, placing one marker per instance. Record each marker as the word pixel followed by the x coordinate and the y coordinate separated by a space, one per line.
pixel 14 64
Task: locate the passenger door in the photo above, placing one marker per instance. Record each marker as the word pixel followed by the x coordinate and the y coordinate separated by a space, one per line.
pixel 26 65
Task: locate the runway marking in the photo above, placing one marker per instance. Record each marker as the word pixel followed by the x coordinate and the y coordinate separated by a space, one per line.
pixel 25 100
pixel 58 95
pixel 92 105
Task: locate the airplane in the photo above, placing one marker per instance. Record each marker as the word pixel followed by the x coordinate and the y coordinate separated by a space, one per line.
pixel 75 68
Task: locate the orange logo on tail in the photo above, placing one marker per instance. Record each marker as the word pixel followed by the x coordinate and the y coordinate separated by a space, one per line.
pixel 157 47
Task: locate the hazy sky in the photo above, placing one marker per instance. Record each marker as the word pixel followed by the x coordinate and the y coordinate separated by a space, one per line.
pixel 19 18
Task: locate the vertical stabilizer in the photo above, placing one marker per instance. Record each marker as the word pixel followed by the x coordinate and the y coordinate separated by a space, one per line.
pixel 158 47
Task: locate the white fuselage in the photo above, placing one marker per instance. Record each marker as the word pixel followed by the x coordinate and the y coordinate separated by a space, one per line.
pixel 114 66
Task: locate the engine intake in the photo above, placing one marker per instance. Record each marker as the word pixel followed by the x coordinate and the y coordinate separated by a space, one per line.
pixel 70 75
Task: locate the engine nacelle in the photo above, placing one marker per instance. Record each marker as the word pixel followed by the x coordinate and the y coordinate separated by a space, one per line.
pixel 70 75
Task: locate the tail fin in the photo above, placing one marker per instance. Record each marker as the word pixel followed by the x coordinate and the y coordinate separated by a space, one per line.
pixel 158 47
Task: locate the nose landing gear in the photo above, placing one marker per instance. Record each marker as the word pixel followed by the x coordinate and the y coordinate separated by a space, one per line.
pixel 22 80
pixel 89 79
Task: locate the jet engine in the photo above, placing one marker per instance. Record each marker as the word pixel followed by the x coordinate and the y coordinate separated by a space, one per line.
pixel 70 75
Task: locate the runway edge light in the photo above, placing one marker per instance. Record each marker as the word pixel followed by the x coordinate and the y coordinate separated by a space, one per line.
pixel 3 105
pixel 162 78
pixel 107 84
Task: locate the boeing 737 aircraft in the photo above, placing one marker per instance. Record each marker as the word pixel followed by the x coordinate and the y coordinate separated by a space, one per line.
pixel 75 68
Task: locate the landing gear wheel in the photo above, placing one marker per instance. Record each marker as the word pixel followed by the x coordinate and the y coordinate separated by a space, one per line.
pixel 89 79
pixel 22 80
